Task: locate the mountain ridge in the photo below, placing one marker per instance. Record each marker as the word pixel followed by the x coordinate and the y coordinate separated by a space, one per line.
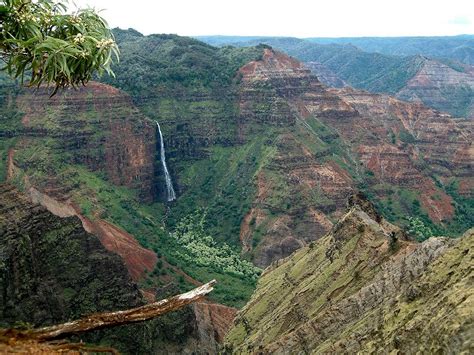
pixel 450 89
pixel 359 289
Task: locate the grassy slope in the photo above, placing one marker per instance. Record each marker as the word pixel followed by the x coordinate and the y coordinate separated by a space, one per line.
pixel 316 298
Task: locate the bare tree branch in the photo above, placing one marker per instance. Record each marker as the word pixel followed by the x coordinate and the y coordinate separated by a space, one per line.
pixel 110 319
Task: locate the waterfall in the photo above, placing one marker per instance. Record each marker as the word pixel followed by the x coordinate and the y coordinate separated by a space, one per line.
pixel 171 195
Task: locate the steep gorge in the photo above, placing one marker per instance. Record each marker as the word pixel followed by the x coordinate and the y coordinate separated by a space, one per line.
pixel 270 152
pixel 276 125
pixel 303 147
pixel 91 154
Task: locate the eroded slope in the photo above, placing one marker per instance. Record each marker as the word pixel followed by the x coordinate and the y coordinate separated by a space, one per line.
pixel 52 271
pixel 330 142
pixel 362 288
pixel 442 87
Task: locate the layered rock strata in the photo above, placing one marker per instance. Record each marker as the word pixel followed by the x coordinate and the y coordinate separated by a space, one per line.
pixel 362 288
pixel 96 126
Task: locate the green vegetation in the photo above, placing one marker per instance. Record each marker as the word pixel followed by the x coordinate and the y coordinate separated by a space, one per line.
pixel 40 39
pixel 311 268
pixel 79 275
pixel 401 205
pixel 406 137
pixel 201 249
pixel 190 88
pixel 120 206
pixel 224 185
pixel 10 122
pixel 458 99
pixel 418 229
pixel 148 65
pixel 464 209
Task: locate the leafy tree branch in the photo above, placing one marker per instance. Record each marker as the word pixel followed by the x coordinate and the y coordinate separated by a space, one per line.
pixel 41 40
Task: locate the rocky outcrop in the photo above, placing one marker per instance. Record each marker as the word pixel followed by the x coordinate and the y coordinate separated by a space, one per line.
pixel 439 86
pixel 298 189
pixel 197 329
pixel 213 321
pixel 323 136
pixel 266 87
pixel 96 126
pixel 406 144
pixel 362 288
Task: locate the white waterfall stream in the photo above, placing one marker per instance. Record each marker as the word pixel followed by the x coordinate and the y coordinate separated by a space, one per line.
pixel 170 194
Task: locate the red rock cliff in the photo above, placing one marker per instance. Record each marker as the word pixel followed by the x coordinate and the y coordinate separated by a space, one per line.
pixel 96 126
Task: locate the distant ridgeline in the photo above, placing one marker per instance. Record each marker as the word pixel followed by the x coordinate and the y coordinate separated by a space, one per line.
pixel 459 48
pixel 434 70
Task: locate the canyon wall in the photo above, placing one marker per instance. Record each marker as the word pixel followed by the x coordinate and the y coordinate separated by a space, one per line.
pixel 327 135
pixel 95 126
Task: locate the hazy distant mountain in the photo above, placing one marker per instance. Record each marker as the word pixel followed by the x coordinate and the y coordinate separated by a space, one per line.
pixel 443 83
pixel 460 48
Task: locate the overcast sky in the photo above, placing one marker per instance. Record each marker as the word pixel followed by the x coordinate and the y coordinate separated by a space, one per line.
pixel 298 18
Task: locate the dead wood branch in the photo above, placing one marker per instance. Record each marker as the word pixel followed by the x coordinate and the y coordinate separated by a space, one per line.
pixel 111 319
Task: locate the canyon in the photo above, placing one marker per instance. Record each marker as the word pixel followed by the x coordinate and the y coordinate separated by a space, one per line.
pixel 258 142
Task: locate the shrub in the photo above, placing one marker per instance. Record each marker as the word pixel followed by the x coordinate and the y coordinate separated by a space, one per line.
pixel 200 249
pixel 418 229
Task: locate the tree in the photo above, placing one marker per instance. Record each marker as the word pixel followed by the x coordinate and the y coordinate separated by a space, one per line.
pixel 418 229
pixel 41 40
